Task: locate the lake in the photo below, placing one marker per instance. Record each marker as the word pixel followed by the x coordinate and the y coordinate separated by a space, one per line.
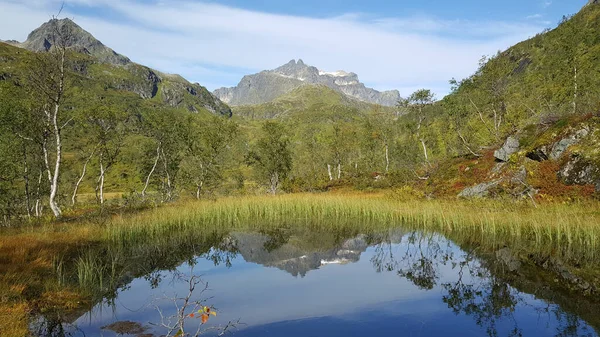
pixel 301 282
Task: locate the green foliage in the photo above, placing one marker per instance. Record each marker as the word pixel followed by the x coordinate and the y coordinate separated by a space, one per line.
pixel 272 155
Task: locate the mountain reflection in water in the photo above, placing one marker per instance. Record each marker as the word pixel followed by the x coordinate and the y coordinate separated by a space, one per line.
pixel 289 282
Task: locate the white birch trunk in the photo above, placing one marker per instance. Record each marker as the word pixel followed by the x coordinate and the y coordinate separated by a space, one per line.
pixel 38 206
pixel 56 128
pixel 167 174
pixel 387 159
pixel 274 182
pixel 100 187
pixel 425 150
pixel 329 172
pixel 26 177
pixel 339 175
pixel 152 170
pixel 74 196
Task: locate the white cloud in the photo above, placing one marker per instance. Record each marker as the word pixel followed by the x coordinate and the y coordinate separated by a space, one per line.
pixel 534 16
pixel 547 4
pixel 194 38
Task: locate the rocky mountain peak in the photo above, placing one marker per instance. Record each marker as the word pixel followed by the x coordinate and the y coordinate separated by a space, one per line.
pixel 270 84
pixel 46 37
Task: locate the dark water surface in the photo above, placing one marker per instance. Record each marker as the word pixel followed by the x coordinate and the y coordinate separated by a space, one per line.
pixel 394 283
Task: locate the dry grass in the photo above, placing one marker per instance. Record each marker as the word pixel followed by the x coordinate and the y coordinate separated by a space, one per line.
pixel 30 258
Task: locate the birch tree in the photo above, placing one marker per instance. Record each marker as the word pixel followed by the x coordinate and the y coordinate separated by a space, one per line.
pixel 207 143
pixel 417 102
pixel 272 155
pixel 49 82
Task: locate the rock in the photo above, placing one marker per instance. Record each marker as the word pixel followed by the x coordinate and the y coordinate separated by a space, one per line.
pixel 579 171
pixel 507 258
pixel 270 84
pixel 539 154
pixel 510 146
pixel 125 327
pixel 561 146
pixel 520 177
pixel 497 168
pixel 478 191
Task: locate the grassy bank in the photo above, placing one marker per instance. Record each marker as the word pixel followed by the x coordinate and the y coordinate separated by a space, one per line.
pixel 62 268
pixel 568 228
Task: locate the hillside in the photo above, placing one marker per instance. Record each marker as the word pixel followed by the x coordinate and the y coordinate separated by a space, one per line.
pixel 270 84
pixel 96 62
pixel 523 126
pixel 532 111
pixel 309 100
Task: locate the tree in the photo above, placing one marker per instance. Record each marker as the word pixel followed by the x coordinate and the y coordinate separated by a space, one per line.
pixel 272 155
pixel 49 81
pixel 165 127
pixel 416 103
pixel 206 144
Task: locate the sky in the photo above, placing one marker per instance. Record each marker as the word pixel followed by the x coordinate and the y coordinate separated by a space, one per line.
pixel 402 44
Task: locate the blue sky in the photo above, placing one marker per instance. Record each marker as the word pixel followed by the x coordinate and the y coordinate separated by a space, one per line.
pixel 403 45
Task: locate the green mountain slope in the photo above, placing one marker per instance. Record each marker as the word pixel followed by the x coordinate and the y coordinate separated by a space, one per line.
pixel 96 62
pixel 544 92
pixel 309 100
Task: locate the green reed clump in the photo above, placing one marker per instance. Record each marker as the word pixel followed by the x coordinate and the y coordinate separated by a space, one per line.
pixel 567 228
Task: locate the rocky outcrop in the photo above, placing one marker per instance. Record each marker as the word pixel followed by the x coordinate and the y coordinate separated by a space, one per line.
pixel 478 191
pixel 270 84
pixel 501 176
pixel 561 146
pixel 555 150
pixel 579 171
pixel 510 147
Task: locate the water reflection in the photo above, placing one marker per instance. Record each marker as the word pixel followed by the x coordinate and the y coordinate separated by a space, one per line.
pixel 298 282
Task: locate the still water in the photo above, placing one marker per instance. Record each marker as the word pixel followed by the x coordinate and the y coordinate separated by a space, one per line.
pixel 284 283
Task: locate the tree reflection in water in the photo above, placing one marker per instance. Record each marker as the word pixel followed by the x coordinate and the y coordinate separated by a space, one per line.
pixel 478 290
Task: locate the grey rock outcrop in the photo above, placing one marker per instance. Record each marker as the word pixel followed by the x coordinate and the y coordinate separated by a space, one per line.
pixel 270 84
pixel 579 171
pixel 478 191
pixel 510 146
pixel 561 146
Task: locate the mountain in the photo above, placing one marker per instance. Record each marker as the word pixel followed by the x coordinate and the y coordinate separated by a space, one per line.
pixel 310 101
pixel 100 63
pixel 43 39
pixel 270 84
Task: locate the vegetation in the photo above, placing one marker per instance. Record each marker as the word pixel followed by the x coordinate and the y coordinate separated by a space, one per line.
pixel 116 143
pixel 79 136
pixel 58 270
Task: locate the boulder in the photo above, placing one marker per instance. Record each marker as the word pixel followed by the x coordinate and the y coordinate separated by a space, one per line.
pixel 478 191
pixel 510 146
pixel 579 171
pixel 562 145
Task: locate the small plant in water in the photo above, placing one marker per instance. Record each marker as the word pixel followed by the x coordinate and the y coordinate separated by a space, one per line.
pixel 188 309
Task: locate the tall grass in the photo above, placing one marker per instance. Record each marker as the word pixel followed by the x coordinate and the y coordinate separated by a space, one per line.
pixel 567 229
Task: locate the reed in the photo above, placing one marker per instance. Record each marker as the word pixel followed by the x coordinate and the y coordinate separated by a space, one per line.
pixel 569 228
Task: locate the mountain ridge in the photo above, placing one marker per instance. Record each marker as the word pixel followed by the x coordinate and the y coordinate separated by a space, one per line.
pixel 267 85
pixel 119 71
